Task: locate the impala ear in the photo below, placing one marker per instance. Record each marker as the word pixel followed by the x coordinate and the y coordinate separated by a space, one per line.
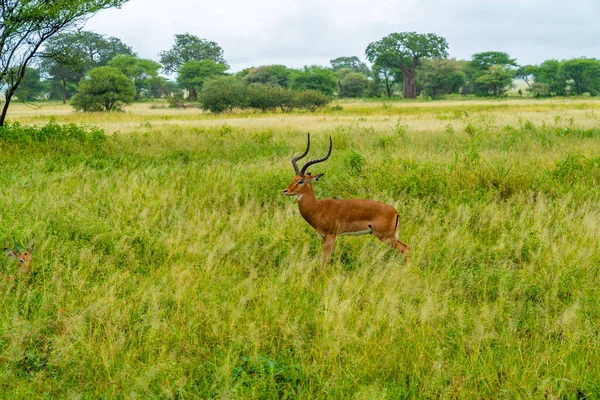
pixel 10 253
pixel 314 177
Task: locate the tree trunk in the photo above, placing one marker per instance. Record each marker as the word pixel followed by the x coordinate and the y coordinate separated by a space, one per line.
pixel 10 92
pixel 192 94
pixel 410 83
pixel 64 91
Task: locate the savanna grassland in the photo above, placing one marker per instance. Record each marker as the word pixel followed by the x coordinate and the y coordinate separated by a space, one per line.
pixel 168 264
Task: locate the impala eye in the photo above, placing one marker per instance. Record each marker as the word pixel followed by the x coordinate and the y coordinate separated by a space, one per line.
pixel 300 182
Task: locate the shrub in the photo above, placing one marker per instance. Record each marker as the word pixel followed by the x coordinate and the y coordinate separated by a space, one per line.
pixel 353 85
pixel 103 89
pixel 51 132
pixel 269 97
pixel 224 93
pixel 310 100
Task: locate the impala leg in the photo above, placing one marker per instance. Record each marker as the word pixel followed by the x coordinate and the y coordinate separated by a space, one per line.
pixel 399 245
pixel 328 245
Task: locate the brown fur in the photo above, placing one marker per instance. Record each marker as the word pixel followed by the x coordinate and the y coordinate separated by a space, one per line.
pixel 331 217
pixel 24 258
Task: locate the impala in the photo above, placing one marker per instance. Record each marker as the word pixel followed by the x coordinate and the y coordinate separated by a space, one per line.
pixel 23 257
pixel 332 218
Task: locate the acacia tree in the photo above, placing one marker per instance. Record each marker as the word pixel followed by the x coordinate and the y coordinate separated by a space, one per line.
pixel 551 73
pixel 404 51
pixel 190 48
pixel 27 25
pixel 583 75
pixel 483 80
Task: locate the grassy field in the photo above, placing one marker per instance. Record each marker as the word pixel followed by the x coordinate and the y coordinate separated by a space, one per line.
pixel 168 263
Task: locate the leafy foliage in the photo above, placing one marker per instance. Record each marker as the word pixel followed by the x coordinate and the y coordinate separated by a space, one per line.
pixel 353 84
pixel 490 73
pixel 189 47
pixel 551 74
pixel 103 89
pixel 316 78
pixel 441 76
pixel 140 70
pixel 31 86
pixel 404 51
pixel 224 93
pixel 52 132
pixel 193 74
pixel 584 73
pixel 27 25
pixel 268 75
pixel 270 97
pixel 353 63
pixel 310 99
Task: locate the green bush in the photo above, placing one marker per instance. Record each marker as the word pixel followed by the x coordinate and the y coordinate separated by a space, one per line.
pixel 224 93
pixel 51 132
pixel 269 97
pixel 103 89
pixel 310 100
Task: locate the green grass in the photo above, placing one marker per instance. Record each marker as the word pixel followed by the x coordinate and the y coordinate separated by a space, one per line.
pixel 168 264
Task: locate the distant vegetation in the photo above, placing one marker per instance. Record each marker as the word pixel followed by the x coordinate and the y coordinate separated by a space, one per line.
pixel 402 65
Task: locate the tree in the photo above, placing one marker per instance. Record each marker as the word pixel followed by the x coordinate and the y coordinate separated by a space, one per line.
pixel 441 76
pixel 353 84
pixel 525 72
pixel 550 73
pixel 224 93
pixel 386 75
pixel 69 55
pixel 161 86
pixel 268 75
pixel 316 78
pixel 495 81
pixel 480 65
pixel 27 25
pixel 405 51
pixel 190 48
pixel 139 70
pixel 103 89
pixel 584 74
pixel 31 86
pixel 193 74
pixel 353 63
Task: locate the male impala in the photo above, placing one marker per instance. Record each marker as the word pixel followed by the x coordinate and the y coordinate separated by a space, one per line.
pixel 331 217
pixel 24 257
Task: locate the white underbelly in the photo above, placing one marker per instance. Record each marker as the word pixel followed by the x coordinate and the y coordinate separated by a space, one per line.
pixel 358 233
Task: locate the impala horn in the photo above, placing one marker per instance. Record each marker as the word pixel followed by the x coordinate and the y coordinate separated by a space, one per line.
pixel 301 156
pixel 308 164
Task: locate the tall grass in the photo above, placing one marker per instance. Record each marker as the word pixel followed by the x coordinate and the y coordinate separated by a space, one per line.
pixel 168 264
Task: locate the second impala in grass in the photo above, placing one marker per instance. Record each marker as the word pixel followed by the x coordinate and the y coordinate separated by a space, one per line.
pixel 333 217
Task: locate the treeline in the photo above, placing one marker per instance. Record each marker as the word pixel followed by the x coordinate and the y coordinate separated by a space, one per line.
pixel 97 73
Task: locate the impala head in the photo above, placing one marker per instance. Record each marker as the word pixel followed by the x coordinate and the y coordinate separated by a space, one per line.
pixel 23 257
pixel 302 181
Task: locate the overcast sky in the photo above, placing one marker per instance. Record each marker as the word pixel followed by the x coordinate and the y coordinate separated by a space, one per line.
pixel 304 32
